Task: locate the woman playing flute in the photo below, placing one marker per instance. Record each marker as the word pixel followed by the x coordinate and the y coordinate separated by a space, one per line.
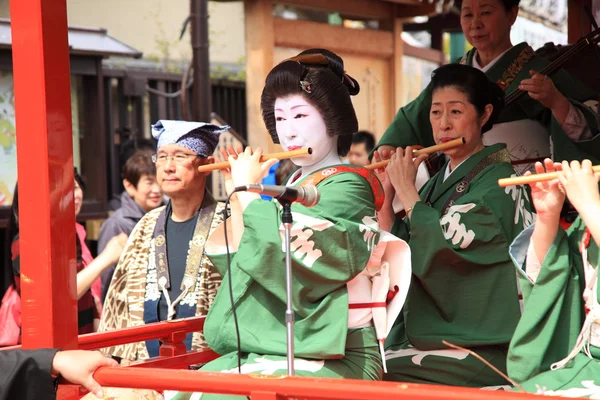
pixel 550 120
pixel 459 227
pixel 556 347
pixel 305 103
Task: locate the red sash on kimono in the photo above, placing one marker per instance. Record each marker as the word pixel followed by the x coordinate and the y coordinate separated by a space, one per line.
pixel 371 178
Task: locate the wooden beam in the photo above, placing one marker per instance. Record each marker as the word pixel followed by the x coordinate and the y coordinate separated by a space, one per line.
pixel 305 34
pixel 409 11
pixel 260 44
pixel 578 23
pixel 396 69
pixel 424 53
pixel 447 22
pixel 406 2
pixel 365 9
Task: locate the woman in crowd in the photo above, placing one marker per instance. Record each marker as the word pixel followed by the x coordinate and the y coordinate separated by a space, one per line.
pixel 553 106
pixel 88 268
pixel 556 347
pixel 459 227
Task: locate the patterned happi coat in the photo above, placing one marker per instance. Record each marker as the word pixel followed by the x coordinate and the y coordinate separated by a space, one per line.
pixel 124 304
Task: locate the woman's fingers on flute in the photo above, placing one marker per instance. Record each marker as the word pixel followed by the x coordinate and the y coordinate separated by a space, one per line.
pixel 257 153
pixel 566 169
pixel 224 154
pixel 266 166
pixel 586 165
pixel 420 158
pixel 550 165
pixel 376 159
pixel 539 168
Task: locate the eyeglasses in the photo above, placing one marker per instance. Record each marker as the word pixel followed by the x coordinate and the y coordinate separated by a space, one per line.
pixel 178 158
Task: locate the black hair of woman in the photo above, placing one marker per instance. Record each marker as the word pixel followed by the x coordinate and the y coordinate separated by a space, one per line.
pixel 475 84
pixel 319 76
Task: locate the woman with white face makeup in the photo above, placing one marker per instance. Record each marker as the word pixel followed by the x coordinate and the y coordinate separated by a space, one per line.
pixel 335 253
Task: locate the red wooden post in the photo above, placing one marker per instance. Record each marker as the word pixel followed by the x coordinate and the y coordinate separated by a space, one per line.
pixel 45 170
pixel 172 344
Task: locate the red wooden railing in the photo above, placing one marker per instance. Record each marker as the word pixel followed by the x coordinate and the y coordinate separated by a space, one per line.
pixel 262 387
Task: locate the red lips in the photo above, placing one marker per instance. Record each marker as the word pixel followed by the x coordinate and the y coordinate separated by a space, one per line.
pixel 292 148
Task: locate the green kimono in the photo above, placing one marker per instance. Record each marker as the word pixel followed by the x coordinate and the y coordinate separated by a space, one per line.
pixel 464 288
pixel 331 244
pixel 411 125
pixel 544 355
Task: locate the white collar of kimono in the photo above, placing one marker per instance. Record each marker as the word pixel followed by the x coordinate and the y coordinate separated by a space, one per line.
pixel 448 172
pixel 484 69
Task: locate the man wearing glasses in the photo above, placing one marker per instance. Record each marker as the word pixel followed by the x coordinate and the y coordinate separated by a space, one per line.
pixel 164 273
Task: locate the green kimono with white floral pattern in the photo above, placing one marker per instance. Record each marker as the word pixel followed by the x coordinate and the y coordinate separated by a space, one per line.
pixel 464 287
pixel 553 318
pixel 331 244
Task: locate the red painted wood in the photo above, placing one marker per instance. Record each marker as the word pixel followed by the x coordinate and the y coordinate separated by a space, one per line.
pixel 291 387
pixel 45 171
pixel 140 333
pixel 256 395
pixel 180 361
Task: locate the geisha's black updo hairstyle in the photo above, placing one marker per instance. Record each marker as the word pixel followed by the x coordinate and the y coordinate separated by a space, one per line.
pixel 319 76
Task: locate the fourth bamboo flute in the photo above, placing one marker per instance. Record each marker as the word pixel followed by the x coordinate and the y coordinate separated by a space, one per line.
pixel 533 178
pixel 280 156
pixel 427 150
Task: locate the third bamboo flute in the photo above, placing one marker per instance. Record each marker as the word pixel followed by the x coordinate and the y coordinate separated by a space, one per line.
pixel 533 178
pixel 427 150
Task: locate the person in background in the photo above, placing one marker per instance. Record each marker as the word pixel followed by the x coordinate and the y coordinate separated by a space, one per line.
pixel 363 143
pixel 89 269
pixel 142 194
pixel 284 170
pixel 128 148
pixel 31 374
pixel 550 120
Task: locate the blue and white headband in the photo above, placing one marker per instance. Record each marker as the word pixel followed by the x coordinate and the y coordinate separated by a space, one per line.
pixel 200 137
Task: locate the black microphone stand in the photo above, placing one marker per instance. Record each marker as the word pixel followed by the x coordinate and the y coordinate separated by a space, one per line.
pixel 287 220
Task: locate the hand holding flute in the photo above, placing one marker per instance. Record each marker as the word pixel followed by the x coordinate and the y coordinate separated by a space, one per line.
pixel 279 156
pixel 530 179
pixel 427 150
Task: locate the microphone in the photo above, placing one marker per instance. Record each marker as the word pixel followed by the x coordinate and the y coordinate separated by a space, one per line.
pixel 308 196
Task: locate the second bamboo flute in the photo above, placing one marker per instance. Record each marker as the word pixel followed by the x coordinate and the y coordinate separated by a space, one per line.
pixel 427 150
pixel 280 156
pixel 533 178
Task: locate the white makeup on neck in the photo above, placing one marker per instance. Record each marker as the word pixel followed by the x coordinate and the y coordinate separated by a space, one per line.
pixel 300 125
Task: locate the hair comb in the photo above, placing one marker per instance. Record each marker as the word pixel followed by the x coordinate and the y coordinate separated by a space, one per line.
pixel 310 59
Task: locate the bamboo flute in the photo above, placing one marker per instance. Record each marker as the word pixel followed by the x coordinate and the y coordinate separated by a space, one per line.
pixel 427 150
pixel 533 178
pixel 280 156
